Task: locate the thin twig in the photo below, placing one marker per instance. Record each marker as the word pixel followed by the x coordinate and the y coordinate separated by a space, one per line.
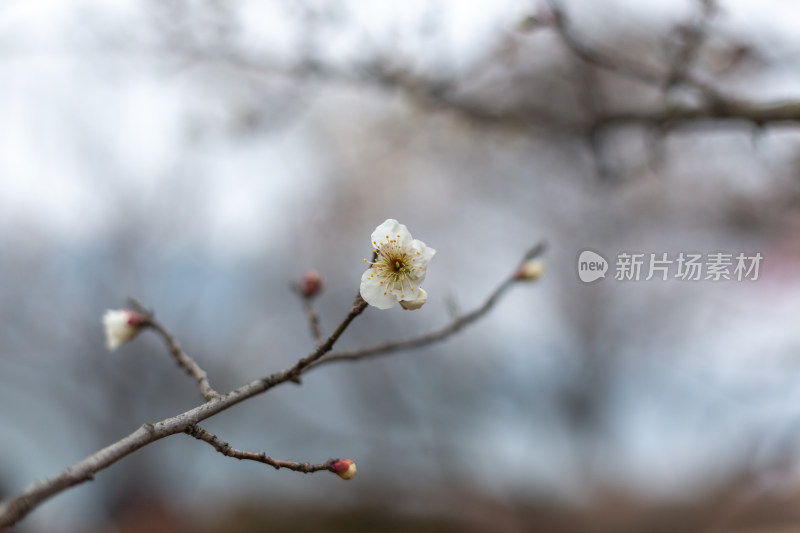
pixel 358 307
pixel 311 314
pixel 438 335
pixel 693 37
pixel 225 449
pixel 181 357
pixel 313 320
pixel 424 339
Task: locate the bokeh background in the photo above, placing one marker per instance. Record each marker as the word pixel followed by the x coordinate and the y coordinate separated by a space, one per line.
pixel 202 155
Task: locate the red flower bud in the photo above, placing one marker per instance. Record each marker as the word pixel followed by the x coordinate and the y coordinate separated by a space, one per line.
pixel 311 284
pixel 344 468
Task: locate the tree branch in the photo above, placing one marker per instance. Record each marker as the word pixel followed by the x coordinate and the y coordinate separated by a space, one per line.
pixel 693 36
pixel 14 509
pixel 181 357
pixel 358 307
pixel 629 70
pixel 730 110
pixel 443 95
pixel 225 449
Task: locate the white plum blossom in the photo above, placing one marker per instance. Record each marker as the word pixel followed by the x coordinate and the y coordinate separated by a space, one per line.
pixel 398 268
pixel 121 325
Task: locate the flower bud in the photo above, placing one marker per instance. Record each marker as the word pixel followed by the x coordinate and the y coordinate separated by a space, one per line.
pixel 121 325
pixel 530 270
pixel 412 305
pixel 311 284
pixel 344 468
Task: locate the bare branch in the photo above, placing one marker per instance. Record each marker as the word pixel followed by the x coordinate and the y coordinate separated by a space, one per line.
pixel 225 449
pixel 624 68
pixel 14 509
pixel 729 110
pixel 693 37
pixel 181 357
pixel 421 340
pixel 432 95
pixel 594 57
pixel 358 307
pixel 442 95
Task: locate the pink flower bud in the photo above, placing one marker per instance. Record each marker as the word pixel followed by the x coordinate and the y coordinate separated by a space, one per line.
pixel 121 325
pixel 344 468
pixel 311 284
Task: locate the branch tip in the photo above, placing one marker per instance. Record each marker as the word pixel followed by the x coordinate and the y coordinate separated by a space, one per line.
pixel 260 457
pixel 535 252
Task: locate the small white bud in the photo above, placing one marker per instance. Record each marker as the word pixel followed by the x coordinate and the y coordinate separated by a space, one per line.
pixel 413 305
pixel 121 325
pixel 530 270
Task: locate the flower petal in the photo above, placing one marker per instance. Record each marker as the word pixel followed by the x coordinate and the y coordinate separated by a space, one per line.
pixel 375 293
pixel 426 252
pixel 392 229
pixel 423 256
